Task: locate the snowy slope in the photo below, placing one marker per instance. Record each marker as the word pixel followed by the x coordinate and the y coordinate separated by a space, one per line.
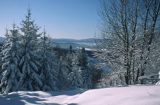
pixel 133 95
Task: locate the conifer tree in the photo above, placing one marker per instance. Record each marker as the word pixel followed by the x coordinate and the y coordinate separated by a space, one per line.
pixel 10 59
pixel 48 74
pixel 29 63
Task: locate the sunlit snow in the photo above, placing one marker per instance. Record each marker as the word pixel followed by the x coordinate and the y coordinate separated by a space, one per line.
pixel 132 95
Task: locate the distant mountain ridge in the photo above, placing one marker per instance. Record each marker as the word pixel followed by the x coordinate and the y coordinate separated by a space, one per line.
pixel 89 40
pixel 89 43
pixel 65 43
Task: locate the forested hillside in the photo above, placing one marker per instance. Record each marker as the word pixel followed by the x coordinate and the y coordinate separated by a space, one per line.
pixel 30 61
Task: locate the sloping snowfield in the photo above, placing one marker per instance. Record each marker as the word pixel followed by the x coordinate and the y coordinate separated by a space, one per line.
pixel 132 95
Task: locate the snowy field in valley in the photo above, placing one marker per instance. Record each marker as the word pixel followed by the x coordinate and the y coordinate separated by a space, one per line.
pixel 132 95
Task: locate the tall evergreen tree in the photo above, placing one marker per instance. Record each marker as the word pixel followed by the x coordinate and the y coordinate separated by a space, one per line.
pixel 48 74
pixel 29 63
pixel 10 59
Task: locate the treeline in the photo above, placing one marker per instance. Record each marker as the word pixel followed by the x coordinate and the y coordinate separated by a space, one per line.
pixel 30 62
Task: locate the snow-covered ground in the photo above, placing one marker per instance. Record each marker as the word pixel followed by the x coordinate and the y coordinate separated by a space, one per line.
pixel 132 95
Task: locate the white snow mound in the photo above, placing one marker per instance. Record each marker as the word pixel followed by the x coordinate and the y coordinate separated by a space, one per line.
pixel 132 95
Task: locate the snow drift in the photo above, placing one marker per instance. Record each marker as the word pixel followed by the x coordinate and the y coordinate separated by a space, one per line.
pixel 132 95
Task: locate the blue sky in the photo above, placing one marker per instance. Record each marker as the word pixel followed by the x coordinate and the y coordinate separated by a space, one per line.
pixel 76 19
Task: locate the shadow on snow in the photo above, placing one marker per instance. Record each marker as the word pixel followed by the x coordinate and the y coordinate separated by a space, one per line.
pixel 35 98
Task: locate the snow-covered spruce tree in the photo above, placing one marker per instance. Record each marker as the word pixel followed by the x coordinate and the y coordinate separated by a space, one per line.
pixel 29 63
pixel 10 59
pixel 48 72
